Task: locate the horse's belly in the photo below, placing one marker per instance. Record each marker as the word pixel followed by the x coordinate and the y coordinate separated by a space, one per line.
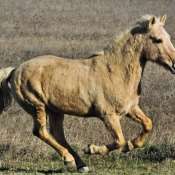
pixel 70 102
pixel 71 108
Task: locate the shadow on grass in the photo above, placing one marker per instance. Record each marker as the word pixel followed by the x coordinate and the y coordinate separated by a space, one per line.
pixel 24 171
pixel 50 171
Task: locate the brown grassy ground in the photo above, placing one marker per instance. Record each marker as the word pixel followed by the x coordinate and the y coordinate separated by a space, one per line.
pixel 75 29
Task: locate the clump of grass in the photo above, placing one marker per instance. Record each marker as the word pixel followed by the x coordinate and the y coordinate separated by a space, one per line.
pixel 155 152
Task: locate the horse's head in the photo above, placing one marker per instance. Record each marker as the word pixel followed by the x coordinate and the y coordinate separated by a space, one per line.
pixel 158 47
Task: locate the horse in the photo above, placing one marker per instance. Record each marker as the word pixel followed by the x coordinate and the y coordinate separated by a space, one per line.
pixel 106 85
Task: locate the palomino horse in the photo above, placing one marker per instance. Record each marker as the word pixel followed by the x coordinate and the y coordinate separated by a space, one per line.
pixel 106 85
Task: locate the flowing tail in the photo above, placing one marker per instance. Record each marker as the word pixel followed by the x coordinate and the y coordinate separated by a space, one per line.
pixel 5 92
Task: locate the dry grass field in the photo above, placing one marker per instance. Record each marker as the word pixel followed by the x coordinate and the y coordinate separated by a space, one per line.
pixel 76 29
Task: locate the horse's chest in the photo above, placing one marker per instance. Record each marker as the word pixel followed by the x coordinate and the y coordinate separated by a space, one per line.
pixel 128 104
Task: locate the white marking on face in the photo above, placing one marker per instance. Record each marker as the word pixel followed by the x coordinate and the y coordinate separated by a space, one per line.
pixel 166 35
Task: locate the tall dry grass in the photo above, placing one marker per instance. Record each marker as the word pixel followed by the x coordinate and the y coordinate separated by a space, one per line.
pixel 75 29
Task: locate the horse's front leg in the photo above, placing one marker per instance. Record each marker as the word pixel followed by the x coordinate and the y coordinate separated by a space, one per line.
pixel 112 123
pixel 137 115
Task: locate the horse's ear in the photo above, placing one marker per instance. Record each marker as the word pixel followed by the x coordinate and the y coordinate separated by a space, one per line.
pixel 152 21
pixel 163 18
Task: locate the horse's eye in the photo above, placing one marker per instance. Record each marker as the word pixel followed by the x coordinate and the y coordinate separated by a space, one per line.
pixel 157 41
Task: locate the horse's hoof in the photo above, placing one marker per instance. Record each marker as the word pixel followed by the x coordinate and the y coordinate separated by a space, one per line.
pixel 91 149
pixel 128 147
pixel 87 150
pixel 84 169
pixel 70 164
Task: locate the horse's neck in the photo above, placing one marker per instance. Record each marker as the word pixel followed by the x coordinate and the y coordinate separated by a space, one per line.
pixel 125 60
pixel 126 52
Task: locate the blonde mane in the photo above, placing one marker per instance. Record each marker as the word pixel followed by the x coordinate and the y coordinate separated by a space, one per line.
pixel 141 26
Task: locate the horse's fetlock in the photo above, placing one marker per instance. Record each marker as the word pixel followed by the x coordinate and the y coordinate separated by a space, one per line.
pixel 120 143
pixel 137 144
pixel 70 164
pixel 103 150
pixel 69 161
pixel 66 155
pixel 148 126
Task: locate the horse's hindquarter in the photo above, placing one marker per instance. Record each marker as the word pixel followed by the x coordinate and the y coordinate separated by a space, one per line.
pixel 60 84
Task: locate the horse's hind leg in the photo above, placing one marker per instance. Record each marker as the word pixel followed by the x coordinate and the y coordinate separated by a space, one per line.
pixel 41 132
pixel 57 131
pixel 136 114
